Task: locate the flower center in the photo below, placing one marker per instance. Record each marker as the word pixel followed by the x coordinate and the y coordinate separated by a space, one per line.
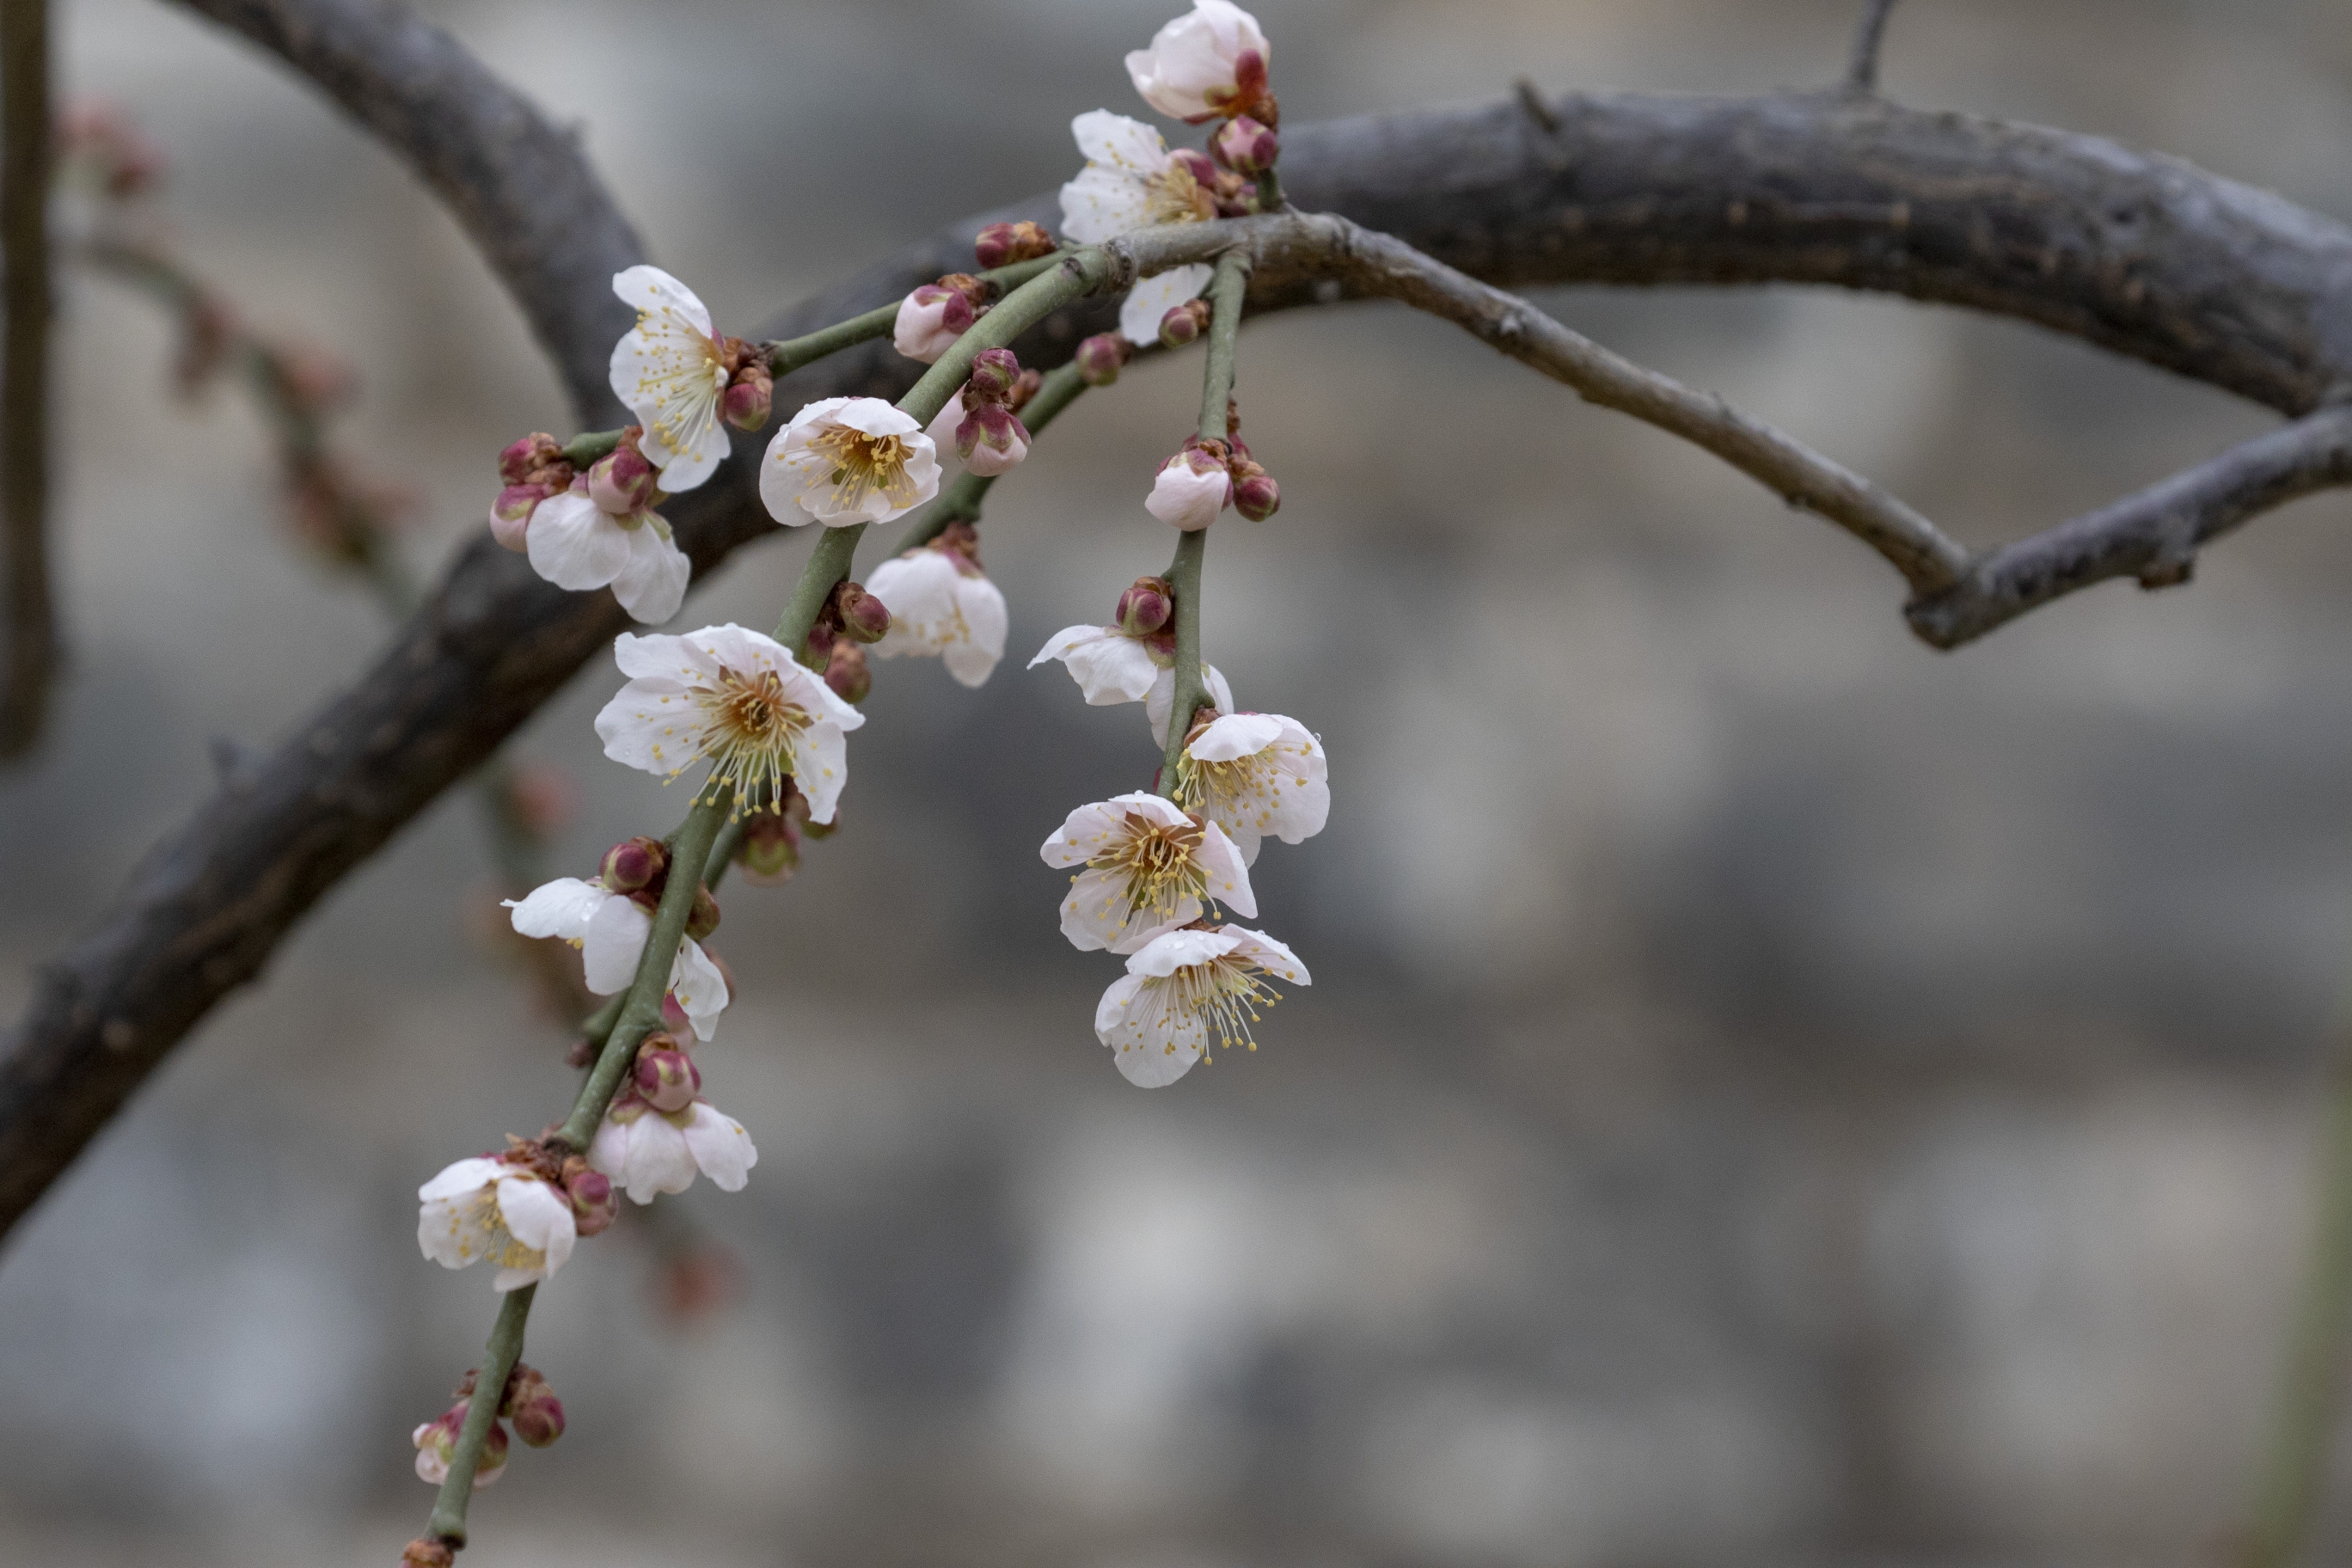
pixel 750 730
pixel 1156 863
pixel 499 1244
pixel 685 375
pixel 1223 996
pixel 863 465
pixel 1173 195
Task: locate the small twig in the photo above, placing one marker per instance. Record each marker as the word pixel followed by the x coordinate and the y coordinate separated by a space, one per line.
pixel 1227 291
pixel 1531 102
pixel 30 611
pixel 1861 71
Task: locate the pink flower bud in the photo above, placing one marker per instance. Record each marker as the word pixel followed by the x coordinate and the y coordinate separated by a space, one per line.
pixel 1191 489
pixel 1145 607
pixel 622 481
pixel 864 617
pixel 992 441
pixel 510 513
pixel 847 674
pixel 750 396
pixel 595 1205
pixel 1101 358
pixel 770 849
pixel 634 864
pixel 703 918
pixel 537 1416
pixel 1003 244
pixel 428 1552
pixel 994 373
pixel 522 461
pixel 1244 145
pixel 930 321
pixel 667 1077
pixel 1177 327
pixel 1256 496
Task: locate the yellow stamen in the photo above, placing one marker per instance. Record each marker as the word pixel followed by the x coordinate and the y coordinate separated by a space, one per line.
pixel 863 465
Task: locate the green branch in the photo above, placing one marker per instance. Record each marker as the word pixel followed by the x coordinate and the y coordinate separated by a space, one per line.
pixel 499 1358
pixel 790 353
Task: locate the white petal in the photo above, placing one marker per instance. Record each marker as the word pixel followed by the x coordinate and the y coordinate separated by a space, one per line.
pixel 1161 698
pixel 538 1216
pixel 662 658
pixel 562 907
pixel 1154 297
pixel 461 1177
pixel 669 371
pixel 615 942
pixel 1109 666
pixel 916 587
pixel 1273 957
pixel 699 987
pixel 574 543
pixel 982 603
pixel 646 1156
pixel 1116 141
pixel 652 584
pixel 1235 735
pixel 1229 881
pixel 645 288
pixel 1181 950
pixel 1097 917
pixel 820 767
pixel 720 1147
pixel 1147 1039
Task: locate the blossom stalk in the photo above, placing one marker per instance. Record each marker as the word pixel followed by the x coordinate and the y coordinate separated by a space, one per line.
pixel 1226 291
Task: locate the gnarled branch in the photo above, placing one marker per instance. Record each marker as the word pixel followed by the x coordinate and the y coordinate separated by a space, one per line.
pixel 2142 254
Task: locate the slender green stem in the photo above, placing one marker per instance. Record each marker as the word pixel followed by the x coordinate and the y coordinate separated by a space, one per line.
pixel 790 353
pixel 582 451
pixel 2308 1406
pixel 1270 198
pixel 960 501
pixel 1061 279
pixel 722 853
pixel 641 1013
pixel 828 564
pixel 499 1360
pixel 1225 293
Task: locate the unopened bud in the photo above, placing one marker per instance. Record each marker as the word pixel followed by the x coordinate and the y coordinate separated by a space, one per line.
pixel 427 1552
pixel 634 864
pixel 510 513
pixel 594 1205
pixel 771 848
pixel 864 617
pixel 1245 145
pixel 622 480
pixel 750 396
pixel 933 317
pixel 703 918
pixel 1256 496
pixel 1101 358
pixel 537 1416
pixel 1003 244
pixel 436 1445
pixel 1180 326
pixel 992 440
pixel 1145 607
pixel 666 1076
pixel 994 375
pixel 521 461
pixel 847 674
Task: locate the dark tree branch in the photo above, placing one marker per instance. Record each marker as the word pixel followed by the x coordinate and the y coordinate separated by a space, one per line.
pixel 1862 70
pixel 2142 254
pixel 28 609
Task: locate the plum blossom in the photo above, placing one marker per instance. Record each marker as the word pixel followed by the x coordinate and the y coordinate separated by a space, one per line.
pixel 1209 62
pixel 1132 181
pixel 436 1441
pixel 576 541
pixel 847 460
pixel 1113 666
pixel 930 320
pixel 489 1207
pixel 610 929
pixel 739 699
pixel 1157 1018
pixel 672 370
pixel 1151 866
pixel 650 1152
pixel 942 605
pixel 1255 774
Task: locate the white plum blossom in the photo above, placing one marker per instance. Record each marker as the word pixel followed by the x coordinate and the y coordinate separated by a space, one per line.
pixel 739 699
pixel 1161 698
pixel 671 370
pixel 1157 1018
pixel 1131 181
pixel 648 1152
pixel 577 544
pixel 486 1208
pixel 1208 62
pixel 1255 774
pixel 942 605
pixel 1151 866
pixel 847 460
pixel 1112 665
pixel 610 930
pixel 1189 490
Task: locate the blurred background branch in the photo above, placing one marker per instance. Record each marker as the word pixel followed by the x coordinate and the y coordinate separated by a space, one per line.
pixel 27 602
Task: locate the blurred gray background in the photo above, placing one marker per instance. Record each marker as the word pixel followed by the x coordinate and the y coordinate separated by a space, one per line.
pixel 1783 1096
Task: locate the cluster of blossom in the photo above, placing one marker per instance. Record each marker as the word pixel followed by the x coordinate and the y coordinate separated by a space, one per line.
pixel 769 722
pixel 527 1401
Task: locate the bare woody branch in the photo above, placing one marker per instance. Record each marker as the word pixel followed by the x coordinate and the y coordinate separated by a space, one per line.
pixel 1862 70
pixel 28 655
pixel 2140 254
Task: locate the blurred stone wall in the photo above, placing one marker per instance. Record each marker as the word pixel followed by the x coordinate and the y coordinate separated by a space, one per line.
pixel 1772 1092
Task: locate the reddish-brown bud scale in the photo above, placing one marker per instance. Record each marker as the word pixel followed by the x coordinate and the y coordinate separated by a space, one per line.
pixel 634 864
pixel 428 1552
pixel 1101 358
pixel 1257 497
pixel 703 918
pixel 1003 244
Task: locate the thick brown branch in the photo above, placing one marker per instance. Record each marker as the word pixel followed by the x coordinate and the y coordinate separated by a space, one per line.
pixel 2152 535
pixel 2148 257
pixel 28 658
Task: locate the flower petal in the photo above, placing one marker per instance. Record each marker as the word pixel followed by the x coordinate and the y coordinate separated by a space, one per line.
pixel 1154 297
pixel 574 543
pixel 720 1147
pixel 652 584
pixel 615 943
pixel 562 907
pixel 699 987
